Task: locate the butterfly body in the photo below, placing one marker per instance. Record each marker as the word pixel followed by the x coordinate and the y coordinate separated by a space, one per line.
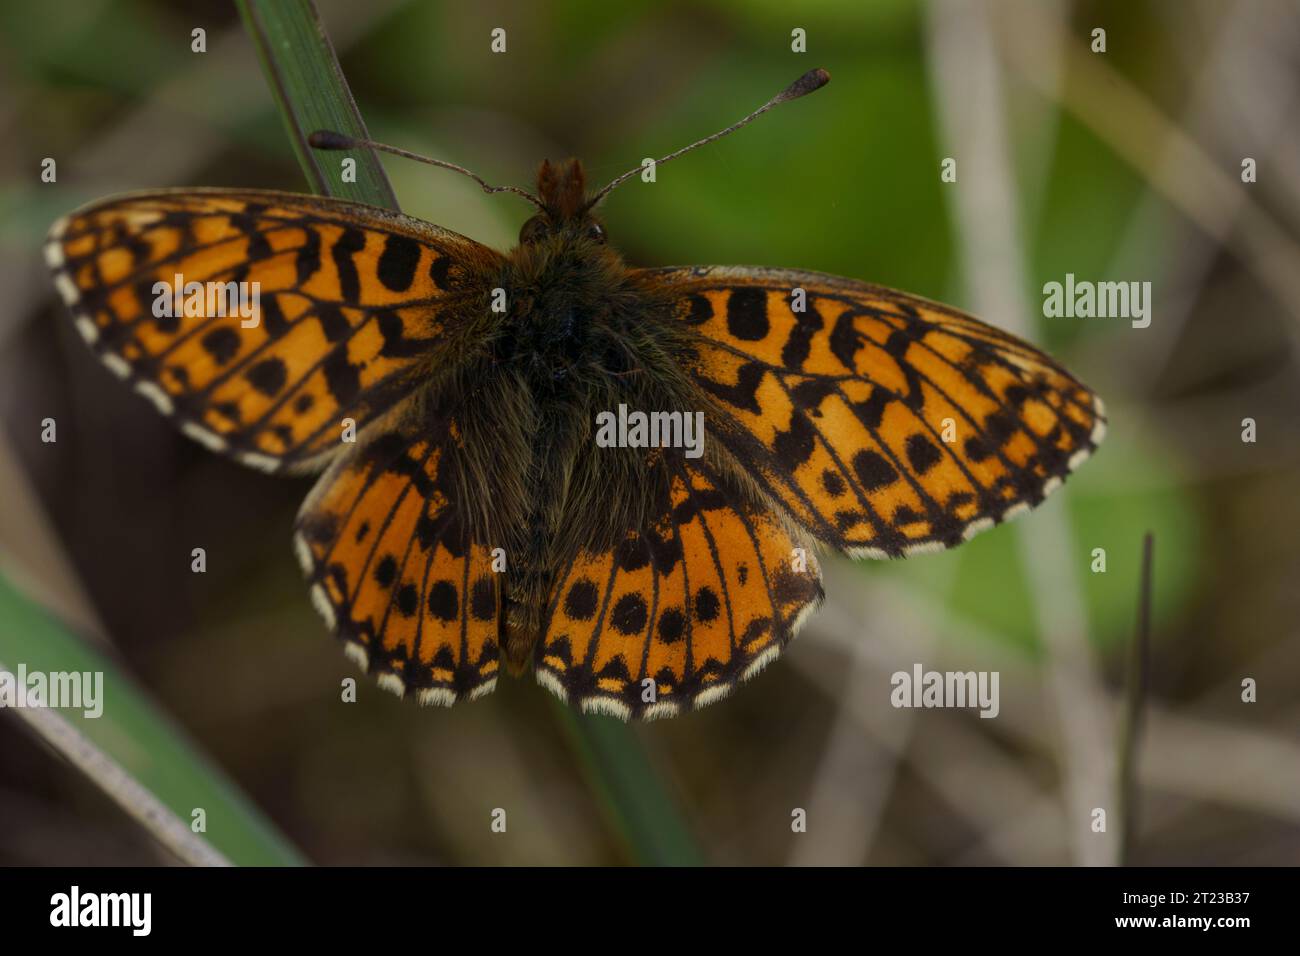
pixel 468 518
pixel 584 334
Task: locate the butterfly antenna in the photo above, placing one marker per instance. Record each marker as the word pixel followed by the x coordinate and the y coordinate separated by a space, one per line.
pixel 810 82
pixel 329 139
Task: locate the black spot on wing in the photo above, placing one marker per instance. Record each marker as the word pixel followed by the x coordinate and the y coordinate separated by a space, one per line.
pixel 483 604
pixel 699 310
pixel 273 319
pixel 444 602
pixel 873 470
pixel 672 624
pixel 845 341
pixel 386 571
pixel 398 262
pixel 799 343
pixel 580 603
pixel 268 376
pixel 872 412
pixel 747 314
pixel 245 222
pixel 408 600
pixel 333 324
pixel 794 446
pixel 351 241
pixel 629 615
pixel 222 344
pixel 342 377
pixel 307 261
pixel 707 605
pixel 922 454
pixel 440 272
pixel 810 393
pixel 833 483
pixel 977 449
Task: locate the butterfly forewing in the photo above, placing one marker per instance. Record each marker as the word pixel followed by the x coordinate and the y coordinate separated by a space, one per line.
pixel 344 306
pixel 883 423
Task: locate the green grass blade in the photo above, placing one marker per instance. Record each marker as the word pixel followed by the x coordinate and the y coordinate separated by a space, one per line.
pixel 631 790
pixel 133 751
pixel 304 74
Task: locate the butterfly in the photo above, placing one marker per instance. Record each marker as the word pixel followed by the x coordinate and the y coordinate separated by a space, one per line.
pixel 468 519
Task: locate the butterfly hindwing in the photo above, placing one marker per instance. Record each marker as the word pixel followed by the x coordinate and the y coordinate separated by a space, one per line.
pixel 393 568
pixel 352 302
pixel 703 596
pixel 883 423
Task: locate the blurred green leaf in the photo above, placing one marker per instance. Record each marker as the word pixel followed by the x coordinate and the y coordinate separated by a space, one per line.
pixel 304 74
pixel 138 737
pixel 633 792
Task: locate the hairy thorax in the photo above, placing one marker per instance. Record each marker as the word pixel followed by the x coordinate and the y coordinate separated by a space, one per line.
pixel 566 306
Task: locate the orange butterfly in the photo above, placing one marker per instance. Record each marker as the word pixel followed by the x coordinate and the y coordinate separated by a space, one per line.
pixel 468 514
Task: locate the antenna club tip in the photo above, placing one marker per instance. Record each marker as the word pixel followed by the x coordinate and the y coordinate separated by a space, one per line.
pixel 810 82
pixel 329 139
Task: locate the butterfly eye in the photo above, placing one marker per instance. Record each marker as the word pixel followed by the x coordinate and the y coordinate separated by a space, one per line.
pixel 534 230
pixel 596 232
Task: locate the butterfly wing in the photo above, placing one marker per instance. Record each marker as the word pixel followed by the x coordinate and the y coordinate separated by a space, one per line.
pixel 883 423
pixel 703 595
pixel 356 307
pixel 383 541
pixel 353 304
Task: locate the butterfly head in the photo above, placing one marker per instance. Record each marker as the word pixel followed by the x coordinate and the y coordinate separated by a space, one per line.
pixel 565 209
